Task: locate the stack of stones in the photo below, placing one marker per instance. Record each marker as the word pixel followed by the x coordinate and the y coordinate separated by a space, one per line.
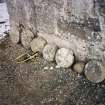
pixel 64 58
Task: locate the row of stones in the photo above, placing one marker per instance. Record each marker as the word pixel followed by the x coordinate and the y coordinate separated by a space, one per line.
pixel 94 70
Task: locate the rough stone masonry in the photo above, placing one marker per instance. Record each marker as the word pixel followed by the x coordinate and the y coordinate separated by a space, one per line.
pixel 75 24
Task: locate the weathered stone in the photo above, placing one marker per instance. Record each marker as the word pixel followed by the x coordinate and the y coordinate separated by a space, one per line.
pixel 26 38
pixel 49 52
pixel 79 67
pixel 38 44
pixel 22 12
pixel 64 57
pixel 14 35
pixel 95 71
pixel 78 46
pixel 70 23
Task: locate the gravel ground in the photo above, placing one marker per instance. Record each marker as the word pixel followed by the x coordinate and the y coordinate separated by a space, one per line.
pixel 39 82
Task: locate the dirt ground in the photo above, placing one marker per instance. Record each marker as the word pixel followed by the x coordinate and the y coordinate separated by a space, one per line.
pixel 39 82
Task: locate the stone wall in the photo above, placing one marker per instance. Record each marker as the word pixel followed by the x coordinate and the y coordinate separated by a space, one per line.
pixel 22 12
pixel 75 24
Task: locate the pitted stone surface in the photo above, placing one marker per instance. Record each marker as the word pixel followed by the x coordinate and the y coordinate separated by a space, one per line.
pixel 26 38
pixel 49 52
pixel 38 44
pixel 64 57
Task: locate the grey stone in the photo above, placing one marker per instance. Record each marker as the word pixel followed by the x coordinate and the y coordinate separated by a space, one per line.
pixel 95 71
pixel 64 57
pixel 38 44
pixel 49 52
pixel 26 38
pixel 79 67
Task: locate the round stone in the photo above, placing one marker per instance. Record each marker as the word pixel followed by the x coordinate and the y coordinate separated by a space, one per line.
pixel 38 44
pixel 26 38
pixel 95 71
pixel 14 35
pixel 49 52
pixel 64 57
pixel 79 67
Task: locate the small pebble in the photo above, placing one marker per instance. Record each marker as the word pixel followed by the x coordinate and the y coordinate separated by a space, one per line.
pixel 45 68
pixel 57 66
pixel 79 67
pixel 79 76
pixel 51 68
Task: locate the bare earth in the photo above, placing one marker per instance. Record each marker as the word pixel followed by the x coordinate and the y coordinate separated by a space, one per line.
pixel 39 82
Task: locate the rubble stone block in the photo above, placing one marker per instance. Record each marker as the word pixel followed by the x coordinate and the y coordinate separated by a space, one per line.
pixel 95 71
pixel 49 52
pixel 64 57
pixel 26 38
pixel 38 44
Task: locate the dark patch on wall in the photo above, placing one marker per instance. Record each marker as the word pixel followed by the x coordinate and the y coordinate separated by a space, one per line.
pixel 94 24
pixel 2 1
pixel 101 7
